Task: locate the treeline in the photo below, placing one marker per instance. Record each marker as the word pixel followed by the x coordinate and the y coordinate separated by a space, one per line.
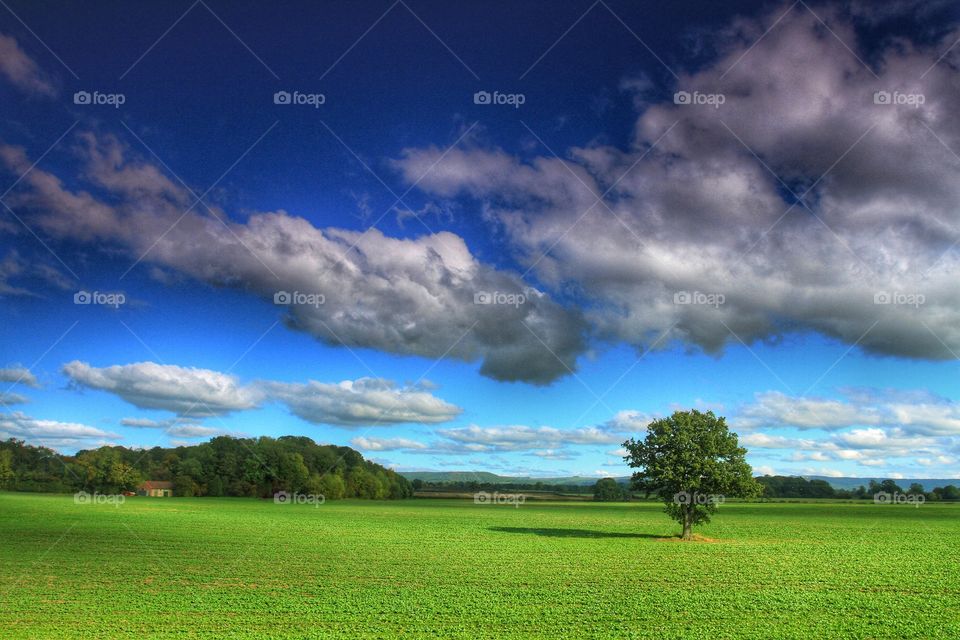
pixel 458 486
pixel 224 466
pixel 797 487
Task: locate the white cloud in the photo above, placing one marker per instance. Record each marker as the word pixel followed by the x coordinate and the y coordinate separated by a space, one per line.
pixel 197 431
pixel 145 423
pixel 192 392
pixel 629 421
pixel 19 375
pixel 183 390
pixel 366 401
pixel 21 71
pixel 7 398
pixel 386 444
pixel 406 296
pixel 698 209
pixel 52 433
pixel 774 409
pixel 522 438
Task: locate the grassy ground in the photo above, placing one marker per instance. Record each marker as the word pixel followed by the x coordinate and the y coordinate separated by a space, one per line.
pixel 437 568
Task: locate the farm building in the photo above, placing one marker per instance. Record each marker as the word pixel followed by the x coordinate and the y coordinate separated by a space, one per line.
pixel 156 489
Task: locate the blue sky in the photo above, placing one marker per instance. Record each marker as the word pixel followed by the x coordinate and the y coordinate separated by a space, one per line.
pixel 507 287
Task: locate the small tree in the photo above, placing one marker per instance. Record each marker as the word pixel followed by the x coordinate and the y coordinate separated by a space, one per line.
pixel 691 461
pixel 609 490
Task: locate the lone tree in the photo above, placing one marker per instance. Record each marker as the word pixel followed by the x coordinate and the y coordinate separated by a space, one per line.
pixel 691 461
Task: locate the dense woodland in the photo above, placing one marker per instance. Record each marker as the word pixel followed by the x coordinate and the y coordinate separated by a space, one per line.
pixel 224 466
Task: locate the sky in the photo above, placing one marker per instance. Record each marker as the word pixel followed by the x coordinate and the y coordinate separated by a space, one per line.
pixel 498 236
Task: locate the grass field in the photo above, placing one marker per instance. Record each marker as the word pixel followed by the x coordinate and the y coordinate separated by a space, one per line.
pixel 441 568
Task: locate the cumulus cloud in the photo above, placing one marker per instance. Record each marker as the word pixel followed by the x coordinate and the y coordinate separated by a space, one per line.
pixel 192 392
pixel 918 412
pixel 366 401
pixel 21 71
pixel 145 423
pixel 777 409
pixel 182 390
pixel 629 421
pixel 386 444
pixel 197 431
pixel 413 296
pixel 477 439
pixel 866 427
pixel 549 443
pixel 707 201
pixel 7 398
pixel 19 375
pixel 52 433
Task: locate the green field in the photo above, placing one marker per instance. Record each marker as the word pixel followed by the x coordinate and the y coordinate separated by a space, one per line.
pixel 185 567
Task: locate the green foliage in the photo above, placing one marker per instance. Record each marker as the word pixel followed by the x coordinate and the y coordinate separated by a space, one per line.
pixel 224 466
pixel 6 468
pixel 795 487
pixel 609 490
pixel 691 461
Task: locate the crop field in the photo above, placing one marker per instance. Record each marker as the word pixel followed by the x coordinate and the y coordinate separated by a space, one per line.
pixel 240 568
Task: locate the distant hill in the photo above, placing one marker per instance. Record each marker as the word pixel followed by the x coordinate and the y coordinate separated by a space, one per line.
pixel 485 477
pixel 928 484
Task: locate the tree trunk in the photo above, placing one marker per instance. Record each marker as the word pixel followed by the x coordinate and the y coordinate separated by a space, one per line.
pixel 687 524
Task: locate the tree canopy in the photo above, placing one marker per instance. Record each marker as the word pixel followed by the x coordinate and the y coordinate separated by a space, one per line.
pixel 692 462
pixel 224 466
pixel 609 490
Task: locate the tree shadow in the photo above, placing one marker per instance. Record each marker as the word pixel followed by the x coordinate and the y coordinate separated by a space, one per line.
pixel 572 533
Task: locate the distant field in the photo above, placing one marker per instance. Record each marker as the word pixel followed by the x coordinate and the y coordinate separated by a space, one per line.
pixel 454 569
